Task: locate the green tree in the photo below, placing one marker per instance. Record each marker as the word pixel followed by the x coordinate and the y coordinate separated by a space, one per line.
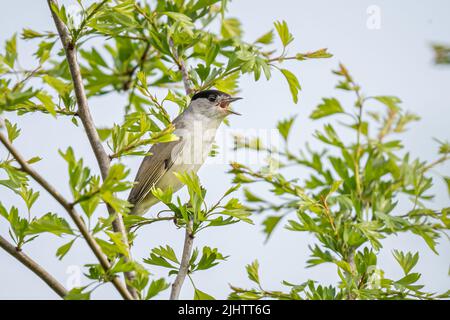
pixel 350 199
pixel 136 49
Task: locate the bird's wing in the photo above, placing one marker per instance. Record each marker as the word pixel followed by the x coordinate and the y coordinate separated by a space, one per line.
pixel 153 167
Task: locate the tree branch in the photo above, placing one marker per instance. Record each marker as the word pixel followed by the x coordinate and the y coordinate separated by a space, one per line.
pixel 139 65
pixel 184 265
pixel 83 108
pixel 182 67
pixel 33 266
pixel 92 243
pixel 189 235
pixel 102 157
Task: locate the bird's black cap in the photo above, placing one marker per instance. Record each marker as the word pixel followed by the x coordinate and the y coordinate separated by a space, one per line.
pixel 208 93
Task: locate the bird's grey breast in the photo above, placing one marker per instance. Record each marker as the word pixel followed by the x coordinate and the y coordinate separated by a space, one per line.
pixel 198 133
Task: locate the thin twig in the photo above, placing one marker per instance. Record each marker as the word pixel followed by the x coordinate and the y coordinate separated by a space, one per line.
pixel 181 66
pixel 184 265
pixel 150 221
pixel 442 159
pixel 351 261
pixel 139 65
pixel 33 266
pixel 70 210
pixel 88 123
pixel 27 77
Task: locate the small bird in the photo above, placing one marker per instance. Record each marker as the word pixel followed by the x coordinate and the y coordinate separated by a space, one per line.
pixel 196 129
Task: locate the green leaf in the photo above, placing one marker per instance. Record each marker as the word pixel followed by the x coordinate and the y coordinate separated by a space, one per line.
pixel 118 204
pixel 43 51
pixel 110 249
pixel 200 295
pixel 328 107
pixel 253 271
pixel 409 279
pixel 11 51
pixel 60 86
pixel 211 54
pixel 31 34
pixel 29 196
pixel 196 193
pixel 344 265
pixel 210 258
pixel 318 256
pixel 201 4
pixel 78 294
pixel 50 222
pixel 251 197
pixel 166 252
pixel 284 127
pixel 447 182
pixel 270 223
pixel 47 101
pixel 406 261
pixel 429 240
pixel 266 38
pixel 164 196
pixel 228 84
pixel 190 180
pixel 142 77
pixel 156 287
pixel 4 211
pixel 335 186
pixel 158 261
pixel 294 85
pixel 231 190
pixel 12 130
pixel 122 247
pixel 34 160
pixel 239 213
pixel 444 147
pixel 64 249
pixel 389 101
pixel 283 32
pixel 159 255
pixel 318 54
pixel 179 17
pixel 115 182
pixel 231 28
pixel 60 12
pixel 18 97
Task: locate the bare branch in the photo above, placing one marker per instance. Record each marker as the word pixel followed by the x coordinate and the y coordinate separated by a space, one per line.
pixel 92 243
pixel 184 265
pixel 33 266
pixel 83 108
pixel 189 235
pixel 103 159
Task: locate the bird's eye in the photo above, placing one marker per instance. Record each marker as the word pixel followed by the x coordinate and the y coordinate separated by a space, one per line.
pixel 212 98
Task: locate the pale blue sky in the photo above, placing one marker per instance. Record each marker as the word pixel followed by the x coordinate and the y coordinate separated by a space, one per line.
pixel 393 60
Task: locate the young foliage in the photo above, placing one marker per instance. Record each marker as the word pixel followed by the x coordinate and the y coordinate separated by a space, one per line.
pixel 351 199
pixel 141 43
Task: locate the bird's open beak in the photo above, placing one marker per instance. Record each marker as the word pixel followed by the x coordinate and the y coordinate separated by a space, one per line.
pixel 225 103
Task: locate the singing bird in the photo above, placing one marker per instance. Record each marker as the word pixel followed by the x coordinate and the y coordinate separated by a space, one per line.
pixel 196 129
